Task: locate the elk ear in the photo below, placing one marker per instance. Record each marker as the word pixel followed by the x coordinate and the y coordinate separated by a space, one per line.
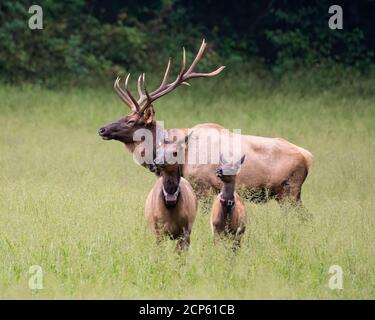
pixel 187 137
pixel 222 159
pixel 240 162
pixel 149 115
pixel 242 159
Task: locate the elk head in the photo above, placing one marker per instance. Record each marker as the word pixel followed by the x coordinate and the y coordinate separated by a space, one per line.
pixel 171 154
pixel 168 163
pixel 227 171
pixel 142 113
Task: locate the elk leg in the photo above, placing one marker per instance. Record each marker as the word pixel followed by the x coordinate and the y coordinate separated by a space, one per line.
pixel 290 191
pixel 159 238
pixel 237 238
pixel 283 193
pixel 290 198
pixel 218 229
pixel 216 237
pixel 236 244
pixel 159 233
pixel 184 242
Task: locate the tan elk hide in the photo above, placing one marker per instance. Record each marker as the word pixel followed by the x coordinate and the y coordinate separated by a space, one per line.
pixel 228 214
pixel 171 205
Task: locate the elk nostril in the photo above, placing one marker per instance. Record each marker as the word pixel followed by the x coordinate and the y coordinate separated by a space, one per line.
pixel 102 130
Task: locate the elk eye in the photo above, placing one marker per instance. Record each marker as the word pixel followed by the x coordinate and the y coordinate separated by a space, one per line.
pixel 131 122
pixel 175 154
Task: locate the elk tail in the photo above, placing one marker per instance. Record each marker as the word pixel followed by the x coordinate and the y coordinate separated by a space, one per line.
pixel 308 157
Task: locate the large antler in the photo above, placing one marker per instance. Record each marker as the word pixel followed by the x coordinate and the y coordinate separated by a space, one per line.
pixel 146 98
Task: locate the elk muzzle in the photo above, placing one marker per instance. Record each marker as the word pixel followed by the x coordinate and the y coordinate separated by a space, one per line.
pixel 170 199
pixel 110 131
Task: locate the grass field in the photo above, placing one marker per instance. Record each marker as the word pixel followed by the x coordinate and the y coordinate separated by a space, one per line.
pixel 73 204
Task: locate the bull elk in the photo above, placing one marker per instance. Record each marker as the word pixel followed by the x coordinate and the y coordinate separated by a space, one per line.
pixel 228 214
pixel 171 205
pixel 272 164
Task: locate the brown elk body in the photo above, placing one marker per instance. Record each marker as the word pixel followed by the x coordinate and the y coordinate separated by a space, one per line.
pixel 228 214
pixel 278 167
pixel 171 205
pixel 273 168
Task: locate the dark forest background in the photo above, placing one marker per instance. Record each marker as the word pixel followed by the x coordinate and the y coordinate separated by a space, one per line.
pixel 92 39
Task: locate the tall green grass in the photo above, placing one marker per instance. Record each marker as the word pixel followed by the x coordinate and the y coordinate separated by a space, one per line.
pixel 73 203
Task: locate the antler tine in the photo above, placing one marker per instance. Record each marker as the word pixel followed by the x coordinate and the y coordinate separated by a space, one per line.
pixel 122 95
pixel 144 87
pixel 166 74
pixel 115 83
pixel 165 78
pixel 183 67
pixel 209 74
pixel 146 96
pixel 134 102
pixel 197 57
pixel 139 86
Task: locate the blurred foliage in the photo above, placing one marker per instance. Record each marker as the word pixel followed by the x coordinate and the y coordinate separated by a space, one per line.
pixel 92 39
